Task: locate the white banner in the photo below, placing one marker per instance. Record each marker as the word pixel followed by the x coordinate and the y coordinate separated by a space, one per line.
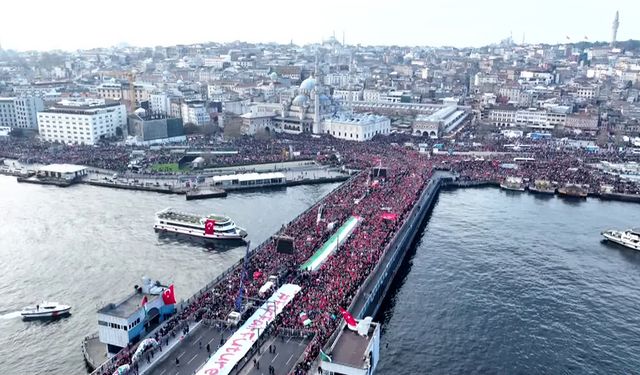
pixel 241 341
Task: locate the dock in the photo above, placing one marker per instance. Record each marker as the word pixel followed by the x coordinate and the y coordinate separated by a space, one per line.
pixel 205 194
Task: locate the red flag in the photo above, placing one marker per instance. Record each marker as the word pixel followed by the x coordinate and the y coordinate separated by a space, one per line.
pixel 144 301
pixel 389 216
pixel 168 296
pixel 208 226
pixel 351 322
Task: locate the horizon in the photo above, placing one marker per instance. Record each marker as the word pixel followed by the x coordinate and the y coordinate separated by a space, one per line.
pixel 70 26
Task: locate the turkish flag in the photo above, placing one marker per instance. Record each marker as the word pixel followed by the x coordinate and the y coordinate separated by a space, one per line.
pixel 144 301
pixel 168 296
pixel 208 226
pixel 351 322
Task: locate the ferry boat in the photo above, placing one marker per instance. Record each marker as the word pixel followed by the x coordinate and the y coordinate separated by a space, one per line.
pixel 210 227
pixel 542 187
pixel 629 238
pixel 45 310
pixel 574 191
pixel 513 184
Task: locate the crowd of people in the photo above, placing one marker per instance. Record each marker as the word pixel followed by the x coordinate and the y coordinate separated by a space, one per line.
pixel 368 196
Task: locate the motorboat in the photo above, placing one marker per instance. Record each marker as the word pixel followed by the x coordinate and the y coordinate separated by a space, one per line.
pixel 45 310
pixel 629 238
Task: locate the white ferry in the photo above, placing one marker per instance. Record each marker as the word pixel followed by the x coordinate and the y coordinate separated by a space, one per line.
pixel 629 238
pixel 210 227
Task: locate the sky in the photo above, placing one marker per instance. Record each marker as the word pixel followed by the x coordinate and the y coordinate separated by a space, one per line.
pixel 82 24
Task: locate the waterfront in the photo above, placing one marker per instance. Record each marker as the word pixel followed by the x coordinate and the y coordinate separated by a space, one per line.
pixel 506 283
pixel 87 246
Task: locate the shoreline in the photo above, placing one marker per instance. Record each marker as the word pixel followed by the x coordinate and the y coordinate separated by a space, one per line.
pixel 617 197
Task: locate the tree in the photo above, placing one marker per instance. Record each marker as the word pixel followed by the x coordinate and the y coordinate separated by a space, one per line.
pixel 17 132
pixel 191 128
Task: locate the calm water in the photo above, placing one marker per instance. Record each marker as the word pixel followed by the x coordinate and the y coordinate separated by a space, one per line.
pixel 514 284
pixel 87 246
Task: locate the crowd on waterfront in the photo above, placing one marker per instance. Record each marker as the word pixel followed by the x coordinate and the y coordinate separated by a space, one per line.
pixel 367 195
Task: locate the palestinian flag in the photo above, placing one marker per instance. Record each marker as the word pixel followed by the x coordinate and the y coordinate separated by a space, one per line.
pixel 325 357
pixel 304 319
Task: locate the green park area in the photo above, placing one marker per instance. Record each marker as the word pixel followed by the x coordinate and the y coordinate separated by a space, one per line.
pixel 169 167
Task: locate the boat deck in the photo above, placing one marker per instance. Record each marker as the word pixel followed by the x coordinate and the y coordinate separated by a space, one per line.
pixel 95 352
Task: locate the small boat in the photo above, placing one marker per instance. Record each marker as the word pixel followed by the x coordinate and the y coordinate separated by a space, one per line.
pixel 628 238
pixel 542 187
pixel 513 184
pixel 574 191
pixel 45 310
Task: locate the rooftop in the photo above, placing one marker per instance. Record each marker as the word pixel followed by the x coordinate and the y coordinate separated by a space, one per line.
pixel 62 168
pixel 128 307
pixel 351 349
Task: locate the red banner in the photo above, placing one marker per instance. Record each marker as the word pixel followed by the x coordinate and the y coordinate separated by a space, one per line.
pixel 209 226
pixel 389 216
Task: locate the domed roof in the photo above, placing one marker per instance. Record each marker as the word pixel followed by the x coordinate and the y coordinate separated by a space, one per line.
pixel 308 84
pixel 300 100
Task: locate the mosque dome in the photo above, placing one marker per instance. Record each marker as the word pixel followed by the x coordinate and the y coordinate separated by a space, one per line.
pixel 324 99
pixel 273 76
pixel 300 100
pixel 308 84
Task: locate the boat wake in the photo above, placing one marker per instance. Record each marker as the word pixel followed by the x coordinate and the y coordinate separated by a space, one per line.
pixel 10 315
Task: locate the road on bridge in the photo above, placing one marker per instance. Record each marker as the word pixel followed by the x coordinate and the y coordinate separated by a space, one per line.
pixel 287 352
pixel 191 352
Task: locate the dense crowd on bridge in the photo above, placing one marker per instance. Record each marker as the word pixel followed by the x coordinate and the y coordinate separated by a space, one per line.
pixel 366 196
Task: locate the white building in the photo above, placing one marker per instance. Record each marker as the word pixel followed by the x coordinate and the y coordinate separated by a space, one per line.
pixel 160 103
pixel 195 112
pixel 369 95
pixel 531 118
pixel 347 95
pixel 81 122
pixel 20 112
pixel 8 112
pixel 254 122
pixel 535 77
pixel 357 127
pixel 27 108
pixel 588 92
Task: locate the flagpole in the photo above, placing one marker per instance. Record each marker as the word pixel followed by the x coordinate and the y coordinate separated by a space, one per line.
pixel 242 277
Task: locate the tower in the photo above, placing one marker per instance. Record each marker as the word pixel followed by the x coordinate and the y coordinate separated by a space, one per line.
pixel 614 27
pixel 316 99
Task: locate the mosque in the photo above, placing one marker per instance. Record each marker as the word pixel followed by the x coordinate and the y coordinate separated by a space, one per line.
pixel 313 110
pixel 307 110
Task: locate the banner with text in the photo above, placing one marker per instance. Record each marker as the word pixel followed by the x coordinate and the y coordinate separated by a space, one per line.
pixel 237 346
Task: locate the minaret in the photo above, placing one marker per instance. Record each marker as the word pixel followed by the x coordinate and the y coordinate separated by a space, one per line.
pixel 614 29
pixel 316 101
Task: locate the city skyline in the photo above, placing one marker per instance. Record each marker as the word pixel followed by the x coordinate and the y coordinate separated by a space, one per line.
pixel 69 25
